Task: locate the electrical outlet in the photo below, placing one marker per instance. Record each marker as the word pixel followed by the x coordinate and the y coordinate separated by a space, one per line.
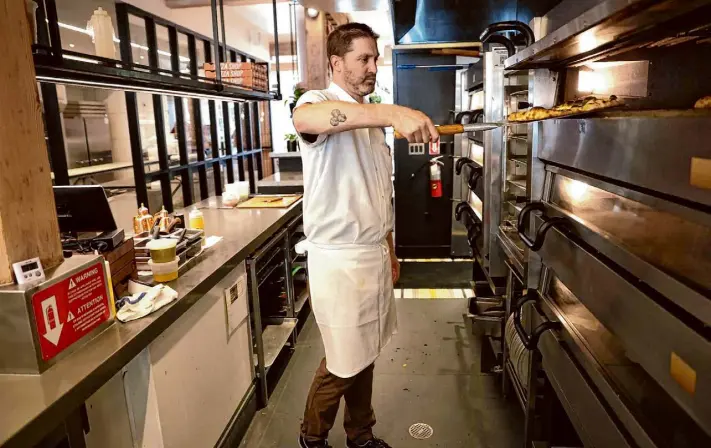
pixel 416 149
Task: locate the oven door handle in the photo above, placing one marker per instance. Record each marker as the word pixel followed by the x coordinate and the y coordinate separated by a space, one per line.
pixel 475 173
pixel 510 25
pixel 459 210
pixel 530 342
pixel 548 223
pixel 459 164
pixel 472 232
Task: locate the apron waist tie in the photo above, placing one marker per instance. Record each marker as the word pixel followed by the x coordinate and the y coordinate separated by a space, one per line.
pixel 304 246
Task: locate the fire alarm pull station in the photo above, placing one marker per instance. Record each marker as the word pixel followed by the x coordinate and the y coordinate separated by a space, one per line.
pixel 53 316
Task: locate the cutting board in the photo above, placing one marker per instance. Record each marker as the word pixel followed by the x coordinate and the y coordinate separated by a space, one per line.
pixel 270 201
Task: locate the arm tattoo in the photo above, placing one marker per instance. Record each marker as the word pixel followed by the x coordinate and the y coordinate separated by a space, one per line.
pixel 337 117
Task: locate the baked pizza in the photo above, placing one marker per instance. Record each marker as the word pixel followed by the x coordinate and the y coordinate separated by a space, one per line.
pixel 584 105
pixel 703 103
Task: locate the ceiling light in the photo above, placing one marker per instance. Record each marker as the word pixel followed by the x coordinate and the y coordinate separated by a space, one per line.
pixel 312 12
pixel 142 57
pixel 71 45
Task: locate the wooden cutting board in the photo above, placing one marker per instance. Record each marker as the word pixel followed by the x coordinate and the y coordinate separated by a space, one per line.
pixel 270 201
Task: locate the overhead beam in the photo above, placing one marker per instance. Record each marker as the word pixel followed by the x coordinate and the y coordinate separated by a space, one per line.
pixel 28 218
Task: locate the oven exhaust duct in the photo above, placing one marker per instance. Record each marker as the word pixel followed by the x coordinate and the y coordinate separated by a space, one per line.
pixel 419 21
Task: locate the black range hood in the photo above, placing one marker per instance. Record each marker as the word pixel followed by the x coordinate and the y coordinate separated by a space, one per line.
pixel 427 21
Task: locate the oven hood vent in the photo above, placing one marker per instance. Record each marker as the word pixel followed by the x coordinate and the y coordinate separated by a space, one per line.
pixel 420 21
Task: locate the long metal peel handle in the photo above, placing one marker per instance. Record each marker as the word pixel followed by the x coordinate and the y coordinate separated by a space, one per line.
pixel 453 129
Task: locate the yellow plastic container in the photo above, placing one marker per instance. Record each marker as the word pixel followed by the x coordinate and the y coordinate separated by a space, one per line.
pixel 164 272
pixel 162 250
pixel 197 222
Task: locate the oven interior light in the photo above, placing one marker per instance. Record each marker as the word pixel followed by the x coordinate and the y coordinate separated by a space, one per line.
pixel 588 41
pixel 577 191
pixel 592 81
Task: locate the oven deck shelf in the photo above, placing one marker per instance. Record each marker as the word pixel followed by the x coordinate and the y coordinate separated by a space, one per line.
pixel 611 140
pixel 612 27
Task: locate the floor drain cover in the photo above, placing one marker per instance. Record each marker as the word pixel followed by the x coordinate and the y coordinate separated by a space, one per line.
pixel 421 431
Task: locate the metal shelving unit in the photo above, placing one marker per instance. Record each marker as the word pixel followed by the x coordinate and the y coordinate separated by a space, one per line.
pixel 56 65
pixel 272 334
pixel 301 301
pixel 275 338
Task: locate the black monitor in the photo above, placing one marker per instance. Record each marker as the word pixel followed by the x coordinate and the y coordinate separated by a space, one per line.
pixel 83 208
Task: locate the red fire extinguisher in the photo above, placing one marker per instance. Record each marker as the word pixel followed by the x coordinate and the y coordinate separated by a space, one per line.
pixel 436 177
pixel 51 318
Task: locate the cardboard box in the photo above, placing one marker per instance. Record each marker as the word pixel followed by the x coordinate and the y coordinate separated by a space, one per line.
pixel 256 67
pixel 238 74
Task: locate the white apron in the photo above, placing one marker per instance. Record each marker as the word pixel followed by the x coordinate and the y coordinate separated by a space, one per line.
pixel 353 303
pixel 347 216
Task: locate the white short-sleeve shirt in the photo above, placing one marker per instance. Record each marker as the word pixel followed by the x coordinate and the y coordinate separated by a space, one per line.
pixel 347 182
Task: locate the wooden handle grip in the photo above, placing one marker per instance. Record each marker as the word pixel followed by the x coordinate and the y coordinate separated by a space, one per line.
pixel 447 129
pixel 458 52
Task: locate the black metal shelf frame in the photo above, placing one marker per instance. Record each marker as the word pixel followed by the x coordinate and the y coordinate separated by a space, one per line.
pixel 125 74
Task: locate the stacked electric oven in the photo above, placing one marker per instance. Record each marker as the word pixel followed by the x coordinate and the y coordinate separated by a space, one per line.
pixel 610 278
pixel 494 168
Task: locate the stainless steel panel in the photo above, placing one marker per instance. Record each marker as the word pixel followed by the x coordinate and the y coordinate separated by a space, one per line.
pixel 643 408
pixel 75 142
pixel 543 86
pixel 20 351
pixel 650 334
pixel 99 138
pixel 694 302
pixel 609 25
pixel 672 243
pixel 595 426
pixel 563 13
pixel 652 152
pixel 459 245
pixel 511 244
pixel 494 110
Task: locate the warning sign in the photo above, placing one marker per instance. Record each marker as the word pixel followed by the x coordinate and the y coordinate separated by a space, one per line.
pixel 434 148
pixel 70 309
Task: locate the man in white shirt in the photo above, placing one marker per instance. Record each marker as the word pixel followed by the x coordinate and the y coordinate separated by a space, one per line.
pixel 348 223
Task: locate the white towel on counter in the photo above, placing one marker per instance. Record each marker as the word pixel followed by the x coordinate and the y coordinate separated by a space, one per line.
pixel 144 300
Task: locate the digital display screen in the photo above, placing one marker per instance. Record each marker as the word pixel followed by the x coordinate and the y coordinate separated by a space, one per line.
pixel 29 266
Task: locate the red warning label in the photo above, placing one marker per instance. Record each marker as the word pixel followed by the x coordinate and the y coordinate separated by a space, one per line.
pixel 70 309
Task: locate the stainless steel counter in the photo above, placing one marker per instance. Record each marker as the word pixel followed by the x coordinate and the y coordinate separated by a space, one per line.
pixel 33 405
pixel 282 183
pixel 285 155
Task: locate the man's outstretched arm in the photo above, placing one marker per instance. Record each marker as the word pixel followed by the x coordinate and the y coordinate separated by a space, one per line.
pixel 332 117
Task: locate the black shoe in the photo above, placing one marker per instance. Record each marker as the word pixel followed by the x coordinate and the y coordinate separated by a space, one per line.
pixel 304 444
pixel 372 443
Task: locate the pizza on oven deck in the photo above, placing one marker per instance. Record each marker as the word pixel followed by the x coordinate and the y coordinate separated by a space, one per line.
pixel 588 104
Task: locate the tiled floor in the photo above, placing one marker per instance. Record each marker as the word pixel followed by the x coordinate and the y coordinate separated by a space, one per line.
pixel 429 373
pixel 433 293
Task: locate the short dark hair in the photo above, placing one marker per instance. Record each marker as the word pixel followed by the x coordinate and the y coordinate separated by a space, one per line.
pixel 341 39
